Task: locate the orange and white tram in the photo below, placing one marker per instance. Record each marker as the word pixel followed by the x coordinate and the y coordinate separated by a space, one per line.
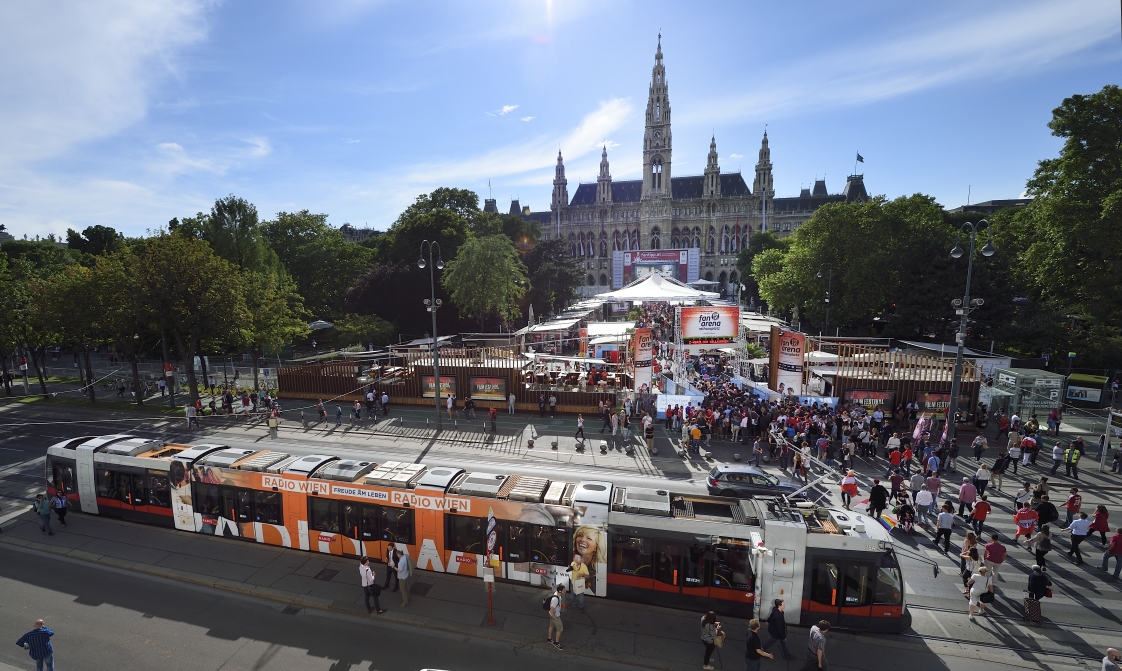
pixel 647 545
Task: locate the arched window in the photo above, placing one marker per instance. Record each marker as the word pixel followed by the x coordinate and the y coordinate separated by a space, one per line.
pixel 725 240
pixel 591 280
pixel 712 240
pixel 675 240
pixel 656 173
pixel 697 237
pixel 723 278
pixel 744 238
pixel 656 242
pixel 709 276
pixel 617 243
pixel 658 110
pixel 603 280
pixel 572 244
pixel 635 240
pixel 603 243
pixel 733 279
pixel 735 239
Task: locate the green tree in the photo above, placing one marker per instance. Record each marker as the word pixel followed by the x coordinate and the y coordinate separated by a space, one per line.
pixel 486 278
pixel 15 297
pixel 759 242
pixel 315 255
pixel 42 255
pixel 354 329
pixel 196 295
pixel 125 314
pixel 445 215
pixel 94 240
pixel 276 313
pixel 554 276
pixel 233 231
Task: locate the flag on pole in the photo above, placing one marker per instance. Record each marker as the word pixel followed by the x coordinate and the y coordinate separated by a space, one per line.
pixel 918 431
pixel 860 158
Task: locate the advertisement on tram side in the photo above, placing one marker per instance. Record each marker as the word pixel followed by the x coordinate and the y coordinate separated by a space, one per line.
pixel 785 369
pixel 643 356
pixel 713 325
pixel 447 386
pixel 487 388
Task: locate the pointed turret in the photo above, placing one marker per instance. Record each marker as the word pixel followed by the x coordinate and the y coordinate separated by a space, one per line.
pixel 560 200
pixel 762 186
pixel 712 172
pixel 604 180
pixel 656 138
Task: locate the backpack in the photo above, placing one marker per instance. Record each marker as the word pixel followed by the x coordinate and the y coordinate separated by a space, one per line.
pixel 548 603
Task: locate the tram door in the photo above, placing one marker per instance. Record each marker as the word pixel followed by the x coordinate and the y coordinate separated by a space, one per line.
pixel 681 575
pixel 841 592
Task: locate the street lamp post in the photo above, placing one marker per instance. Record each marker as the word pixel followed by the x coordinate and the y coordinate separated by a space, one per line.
pixel 432 305
pixel 964 307
pixel 829 290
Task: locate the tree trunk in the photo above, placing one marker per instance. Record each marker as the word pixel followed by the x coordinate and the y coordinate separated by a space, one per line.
pixel 133 359
pixel 7 382
pixel 192 383
pixel 202 365
pixel 253 353
pixel 170 386
pixel 39 356
pixel 89 373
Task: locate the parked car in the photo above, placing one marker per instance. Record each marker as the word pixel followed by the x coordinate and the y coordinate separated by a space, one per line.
pixel 747 481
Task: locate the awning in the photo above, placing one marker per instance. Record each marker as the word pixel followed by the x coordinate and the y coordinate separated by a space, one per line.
pixel 656 288
pixel 609 328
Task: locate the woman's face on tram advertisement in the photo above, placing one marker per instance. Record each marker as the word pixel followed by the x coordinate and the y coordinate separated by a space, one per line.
pixel 587 542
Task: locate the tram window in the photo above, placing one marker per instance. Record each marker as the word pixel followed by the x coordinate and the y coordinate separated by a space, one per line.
pixel 243 501
pixel 888 589
pixel 159 494
pixel 325 514
pixel 370 518
pixel 122 487
pixel 857 588
pixel 268 507
pixel 695 567
pixel 465 534
pixel 62 475
pixel 229 503
pixel 824 583
pixel 207 496
pixel 105 484
pixel 732 569
pixel 352 519
pixel 139 489
pixel 512 540
pixel 549 545
pixel 668 562
pixel 397 525
pixel 631 556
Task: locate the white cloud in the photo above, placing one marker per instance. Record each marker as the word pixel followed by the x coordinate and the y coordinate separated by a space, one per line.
pixel 1024 38
pixel 259 147
pixel 350 140
pixel 507 109
pixel 528 118
pixel 610 144
pixel 84 72
pixel 734 156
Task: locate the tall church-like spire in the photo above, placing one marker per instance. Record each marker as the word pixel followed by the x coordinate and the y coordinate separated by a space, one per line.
pixel 560 200
pixel 762 186
pixel 604 180
pixel 712 187
pixel 656 137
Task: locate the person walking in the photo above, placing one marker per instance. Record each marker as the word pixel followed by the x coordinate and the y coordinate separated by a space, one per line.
pixel 1025 519
pixel 980 584
pixel 878 499
pixel 580 428
pixel 924 502
pixel 552 405
pixel 338 415
pixel 848 489
pixel 995 555
pixel 1071 462
pixel 944 527
pixel 710 630
pixel 37 642
pixel 493 415
pixel 510 403
pixel 967 496
pixel 1041 545
pixel 997 472
pixel 1072 505
pixel 753 651
pixel 1100 523
pixel 370 588
pixel 1079 530
pixel 982 479
pixel 1057 457
pixel 777 629
pixel 391 573
pixel 578 576
pixel 451 405
pixel 981 512
pixel 385 403
pixel 1113 549
pixel 192 416
pixel 553 635
pixel 541 405
pixel 1038 585
pixel 816 647
pixel 58 504
pixel 402 569
pixel 42 508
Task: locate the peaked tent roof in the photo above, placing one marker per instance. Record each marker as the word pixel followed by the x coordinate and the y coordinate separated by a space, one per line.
pixel 657 288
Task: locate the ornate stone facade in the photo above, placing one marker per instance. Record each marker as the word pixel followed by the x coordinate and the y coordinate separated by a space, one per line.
pixel 714 212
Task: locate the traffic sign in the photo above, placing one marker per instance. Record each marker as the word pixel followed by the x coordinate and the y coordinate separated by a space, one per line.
pixel 1071 355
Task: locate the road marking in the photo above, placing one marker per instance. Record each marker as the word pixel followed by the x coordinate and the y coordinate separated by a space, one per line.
pixel 944 629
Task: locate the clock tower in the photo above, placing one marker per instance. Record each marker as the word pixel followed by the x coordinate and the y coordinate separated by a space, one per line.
pixel 656 138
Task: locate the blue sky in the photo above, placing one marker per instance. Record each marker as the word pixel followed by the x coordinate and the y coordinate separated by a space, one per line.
pixel 130 112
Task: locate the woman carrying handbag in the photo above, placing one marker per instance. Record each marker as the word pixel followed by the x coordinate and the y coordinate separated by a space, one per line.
pixel 981 591
pixel 710 634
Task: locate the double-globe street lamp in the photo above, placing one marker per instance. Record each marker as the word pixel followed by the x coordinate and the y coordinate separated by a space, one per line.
pixel 964 307
pixel 829 290
pixel 432 305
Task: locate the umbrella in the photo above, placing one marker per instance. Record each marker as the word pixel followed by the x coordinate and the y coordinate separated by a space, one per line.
pixel 319 325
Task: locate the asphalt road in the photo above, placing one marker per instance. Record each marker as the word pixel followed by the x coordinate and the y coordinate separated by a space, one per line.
pixel 106 619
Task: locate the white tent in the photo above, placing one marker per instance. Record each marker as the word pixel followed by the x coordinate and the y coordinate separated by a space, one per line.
pixel 657 288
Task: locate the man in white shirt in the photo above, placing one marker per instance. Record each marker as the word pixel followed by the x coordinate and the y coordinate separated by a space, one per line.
pixel 1110 662
pixel 369 587
pixel 510 404
pixel 1079 529
pixel 924 501
pixel 555 626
